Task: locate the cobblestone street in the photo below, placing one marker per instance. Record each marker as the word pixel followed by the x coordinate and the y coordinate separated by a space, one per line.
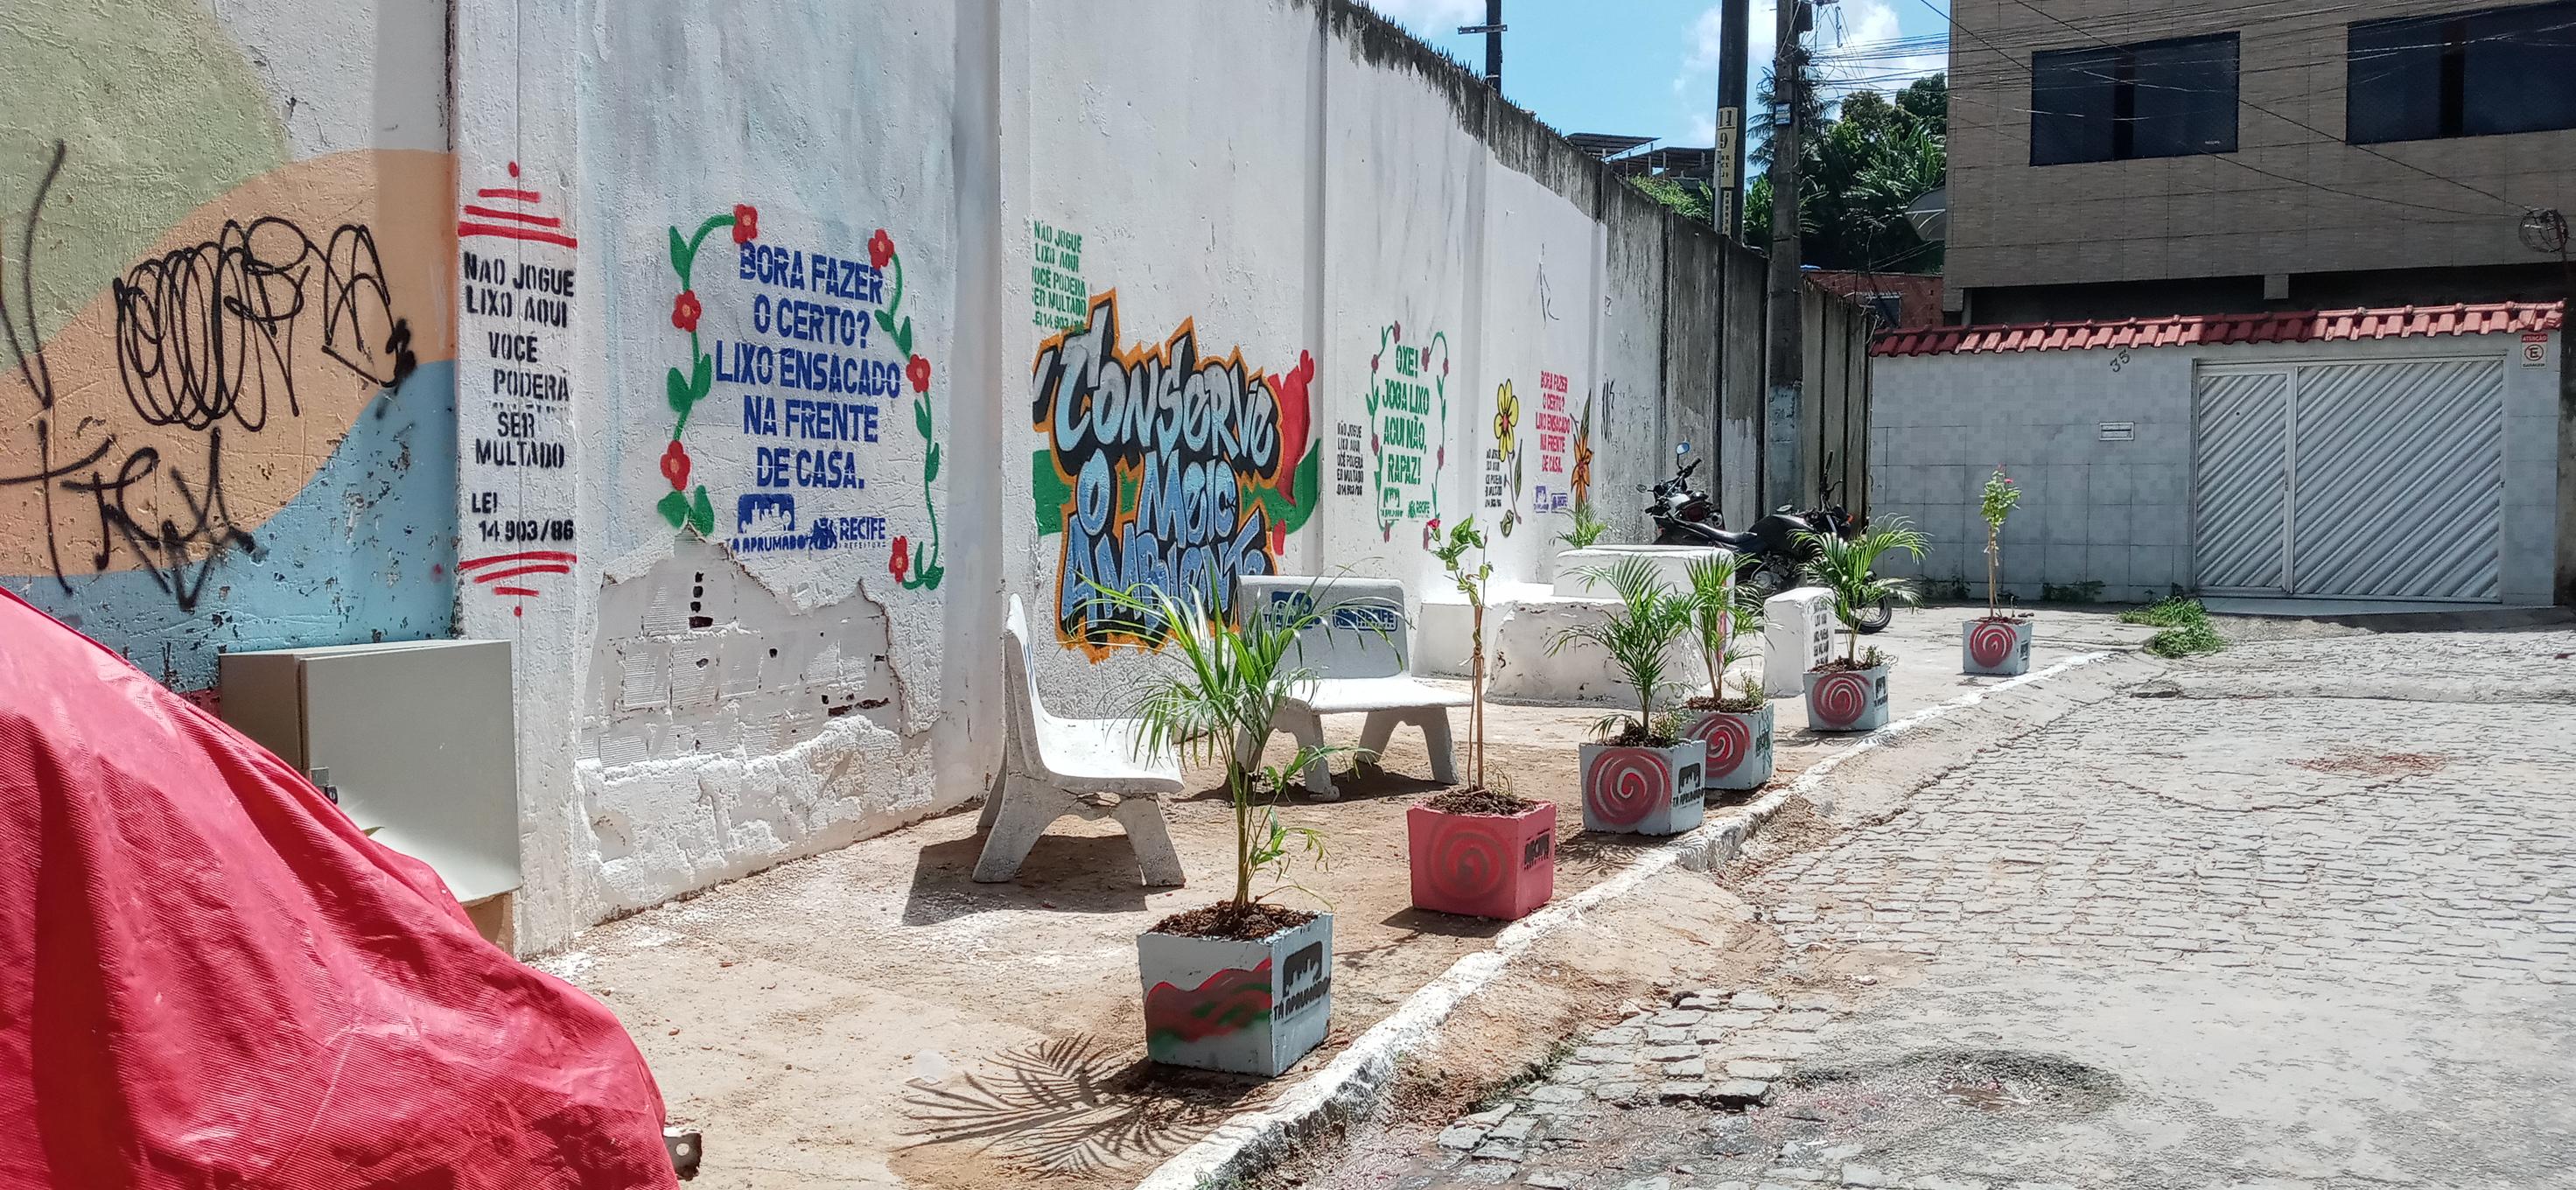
pixel 2253 923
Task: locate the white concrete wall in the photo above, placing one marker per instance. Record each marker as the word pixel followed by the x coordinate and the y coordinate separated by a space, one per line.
pixel 2120 512
pixel 707 693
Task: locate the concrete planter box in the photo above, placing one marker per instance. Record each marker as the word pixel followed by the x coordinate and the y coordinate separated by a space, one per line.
pixel 1998 646
pixel 1847 699
pixel 1739 747
pixel 1240 1007
pixel 1482 865
pixel 1643 791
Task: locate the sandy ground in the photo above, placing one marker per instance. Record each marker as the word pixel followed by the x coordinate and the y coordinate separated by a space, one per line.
pixel 872 1017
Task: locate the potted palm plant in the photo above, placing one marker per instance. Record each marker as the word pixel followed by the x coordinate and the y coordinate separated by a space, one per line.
pixel 1996 643
pixel 1849 693
pixel 1478 850
pixel 1242 985
pixel 1643 777
pixel 1735 728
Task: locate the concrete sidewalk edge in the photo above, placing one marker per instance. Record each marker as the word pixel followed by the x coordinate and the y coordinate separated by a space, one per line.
pixel 1360 1073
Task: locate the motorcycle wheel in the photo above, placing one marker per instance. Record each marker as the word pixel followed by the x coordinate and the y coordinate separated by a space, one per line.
pixel 1766 581
pixel 1877 618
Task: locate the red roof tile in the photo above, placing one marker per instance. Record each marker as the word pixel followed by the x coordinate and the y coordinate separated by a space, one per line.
pixel 2187 329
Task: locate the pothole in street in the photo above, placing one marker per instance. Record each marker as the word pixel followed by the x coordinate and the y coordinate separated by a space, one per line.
pixel 2375 764
pixel 1986 1081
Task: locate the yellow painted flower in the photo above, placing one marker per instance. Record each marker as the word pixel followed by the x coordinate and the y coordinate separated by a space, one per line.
pixel 1507 420
pixel 1583 462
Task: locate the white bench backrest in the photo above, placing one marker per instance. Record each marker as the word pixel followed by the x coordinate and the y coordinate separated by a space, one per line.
pixel 1361 633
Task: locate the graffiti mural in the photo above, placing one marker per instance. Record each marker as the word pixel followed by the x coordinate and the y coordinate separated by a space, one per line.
pixel 1581 480
pixel 1162 468
pixel 235 443
pixel 517 274
pixel 1503 460
pixel 1408 410
pixel 1555 426
pixel 817 348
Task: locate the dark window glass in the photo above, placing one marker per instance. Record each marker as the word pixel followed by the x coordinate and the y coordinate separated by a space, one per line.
pixel 2395 80
pixel 2186 98
pixel 2159 99
pixel 2462 74
pixel 1889 307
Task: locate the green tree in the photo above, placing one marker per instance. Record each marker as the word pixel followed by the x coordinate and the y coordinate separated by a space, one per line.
pixel 1860 167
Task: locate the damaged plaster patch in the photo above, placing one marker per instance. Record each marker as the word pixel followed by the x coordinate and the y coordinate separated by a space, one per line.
pixel 726 728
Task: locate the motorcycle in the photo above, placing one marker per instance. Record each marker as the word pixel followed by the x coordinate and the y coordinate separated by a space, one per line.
pixel 1685 516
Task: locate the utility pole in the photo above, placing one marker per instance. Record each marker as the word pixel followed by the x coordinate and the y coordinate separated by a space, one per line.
pixel 1493 31
pixel 1782 482
pixel 1726 161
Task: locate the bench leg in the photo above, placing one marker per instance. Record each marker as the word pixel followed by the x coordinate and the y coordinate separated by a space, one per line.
pixel 1376 732
pixel 1027 810
pixel 993 799
pixel 1434 722
pixel 1151 835
pixel 1308 727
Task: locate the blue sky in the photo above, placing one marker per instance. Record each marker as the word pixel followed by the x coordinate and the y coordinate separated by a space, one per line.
pixel 1649 67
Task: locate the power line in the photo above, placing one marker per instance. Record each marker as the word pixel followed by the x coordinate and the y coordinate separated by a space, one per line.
pixel 2517 207
pixel 2012 60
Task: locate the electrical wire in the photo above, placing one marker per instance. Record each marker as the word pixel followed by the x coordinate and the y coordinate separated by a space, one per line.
pixel 2012 60
pixel 2481 191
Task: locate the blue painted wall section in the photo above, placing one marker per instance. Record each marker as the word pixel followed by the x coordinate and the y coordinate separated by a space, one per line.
pixel 367 551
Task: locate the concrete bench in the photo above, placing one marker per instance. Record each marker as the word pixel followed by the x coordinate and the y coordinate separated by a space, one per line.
pixel 1360 654
pixel 1082 768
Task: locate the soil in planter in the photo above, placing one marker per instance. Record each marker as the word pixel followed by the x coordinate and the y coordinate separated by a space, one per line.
pixel 1479 801
pixel 1871 659
pixel 2006 618
pixel 1733 704
pixel 1225 919
pixel 1635 736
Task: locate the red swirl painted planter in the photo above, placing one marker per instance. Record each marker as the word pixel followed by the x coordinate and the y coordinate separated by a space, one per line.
pixel 1999 647
pixel 1739 747
pixel 1643 791
pixel 1482 865
pixel 1847 699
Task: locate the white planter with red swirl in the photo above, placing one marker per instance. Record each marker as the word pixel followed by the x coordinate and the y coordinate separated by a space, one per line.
pixel 1999 646
pixel 1847 699
pixel 1643 791
pixel 1739 747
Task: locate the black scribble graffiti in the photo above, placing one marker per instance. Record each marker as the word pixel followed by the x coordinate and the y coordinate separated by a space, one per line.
pixel 1546 299
pixel 1070 1105
pixel 208 332
pixel 204 335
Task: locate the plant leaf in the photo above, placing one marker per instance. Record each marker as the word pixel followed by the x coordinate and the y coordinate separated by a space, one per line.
pixel 930 464
pixel 702 515
pixel 681 395
pixel 704 378
pixel 680 255
pixel 903 338
pixel 921 417
pixel 885 322
pixel 674 508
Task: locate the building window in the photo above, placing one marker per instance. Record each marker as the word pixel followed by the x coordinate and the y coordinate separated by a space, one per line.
pixel 2461 74
pixel 2159 99
pixel 1888 307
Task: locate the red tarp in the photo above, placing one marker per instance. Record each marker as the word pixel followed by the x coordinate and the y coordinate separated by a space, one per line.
pixel 210 978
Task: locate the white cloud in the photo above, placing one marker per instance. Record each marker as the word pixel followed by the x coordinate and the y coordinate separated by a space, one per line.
pixel 1431 18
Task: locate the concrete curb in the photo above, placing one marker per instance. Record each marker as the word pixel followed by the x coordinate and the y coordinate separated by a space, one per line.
pixel 1356 1076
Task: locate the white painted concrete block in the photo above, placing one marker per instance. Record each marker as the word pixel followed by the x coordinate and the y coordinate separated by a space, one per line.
pixel 1797 636
pixel 1672 561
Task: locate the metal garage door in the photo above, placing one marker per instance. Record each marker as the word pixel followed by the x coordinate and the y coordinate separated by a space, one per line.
pixel 2359 480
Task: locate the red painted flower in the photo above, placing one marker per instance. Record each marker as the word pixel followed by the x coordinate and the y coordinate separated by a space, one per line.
pixel 1294 410
pixel 1399 332
pixel 918 372
pixel 880 248
pixel 685 311
pixel 1433 525
pixel 675 465
pixel 902 559
pixel 746 223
